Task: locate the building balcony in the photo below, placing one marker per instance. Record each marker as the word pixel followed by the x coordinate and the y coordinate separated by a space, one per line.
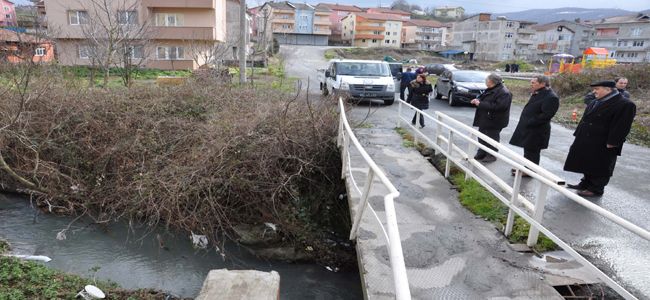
pixel 322 31
pixel 369 28
pixel 184 33
pixel 526 31
pixel 283 21
pixel 180 3
pixel 283 30
pixel 325 22
pixel 524 42
pixel 322 13
pixel 368 36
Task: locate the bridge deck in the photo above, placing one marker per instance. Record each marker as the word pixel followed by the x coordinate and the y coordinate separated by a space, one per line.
pixel 449 252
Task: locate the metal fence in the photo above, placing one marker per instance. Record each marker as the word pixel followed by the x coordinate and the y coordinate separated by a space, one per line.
pixel 451 135
pixel 346 140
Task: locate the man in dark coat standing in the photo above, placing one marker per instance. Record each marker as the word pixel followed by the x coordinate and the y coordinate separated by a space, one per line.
pixel 621 85
pixel 492 113
pixel 534 128
pixel 599 138
pixel 406 79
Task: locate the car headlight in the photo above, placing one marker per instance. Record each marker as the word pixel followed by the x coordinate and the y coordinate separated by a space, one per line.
pixel 345 86
pixel 461 89
pixel 390 88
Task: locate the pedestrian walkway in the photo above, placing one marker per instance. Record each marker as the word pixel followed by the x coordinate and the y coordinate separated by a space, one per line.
pixel 449 253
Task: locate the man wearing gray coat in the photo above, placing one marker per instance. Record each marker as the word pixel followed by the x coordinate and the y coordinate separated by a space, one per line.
pixel 534 128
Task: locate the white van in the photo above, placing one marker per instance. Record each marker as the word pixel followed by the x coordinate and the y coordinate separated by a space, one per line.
pixel 358 79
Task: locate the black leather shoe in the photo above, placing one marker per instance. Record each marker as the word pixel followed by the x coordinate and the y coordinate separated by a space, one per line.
pixel 575 186
pixel 588 193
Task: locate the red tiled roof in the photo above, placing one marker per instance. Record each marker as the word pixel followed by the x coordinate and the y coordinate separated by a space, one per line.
pixel 423 23
pixel 379 17
pixel 340 7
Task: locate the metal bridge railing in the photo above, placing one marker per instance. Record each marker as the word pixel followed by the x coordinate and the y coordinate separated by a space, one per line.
pixel 394 243
pixel 450 131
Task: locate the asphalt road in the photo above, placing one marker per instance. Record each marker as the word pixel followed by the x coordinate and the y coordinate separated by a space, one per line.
pixel 608 245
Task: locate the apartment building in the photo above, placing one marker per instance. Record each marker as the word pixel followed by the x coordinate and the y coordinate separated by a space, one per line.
pixel 390 12
pixel 8 14
pixel 372 30
pixel 296 23
pixel 495 40
pixel 449 12
pixel 338 12
pixel 230 50
pixel 17 47
pixel 423 35
pixel 562 37
pixel 178 35
pixel 626 37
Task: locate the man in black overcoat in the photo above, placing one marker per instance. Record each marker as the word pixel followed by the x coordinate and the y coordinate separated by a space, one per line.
pixel 599 138
pixel 492 113
pixel 534 128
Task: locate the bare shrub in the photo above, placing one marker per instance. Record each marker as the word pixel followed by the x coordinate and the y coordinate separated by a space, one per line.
pixel 198 157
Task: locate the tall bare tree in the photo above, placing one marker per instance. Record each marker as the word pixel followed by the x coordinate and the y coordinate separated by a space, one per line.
pixel 117 34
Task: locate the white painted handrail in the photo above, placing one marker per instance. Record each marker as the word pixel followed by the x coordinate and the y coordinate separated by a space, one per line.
pixel 457 130
pixel 345 136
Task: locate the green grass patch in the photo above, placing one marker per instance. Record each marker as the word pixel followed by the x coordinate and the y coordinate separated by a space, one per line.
pixel 4 246
pixel 331 54
pixel 478 200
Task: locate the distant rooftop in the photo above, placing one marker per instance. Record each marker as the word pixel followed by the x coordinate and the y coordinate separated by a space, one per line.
pixel 341 7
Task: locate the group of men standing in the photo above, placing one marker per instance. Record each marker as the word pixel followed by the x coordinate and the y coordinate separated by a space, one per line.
pixel 599 137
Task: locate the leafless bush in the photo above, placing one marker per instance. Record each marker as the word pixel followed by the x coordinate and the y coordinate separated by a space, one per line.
pixel 198 157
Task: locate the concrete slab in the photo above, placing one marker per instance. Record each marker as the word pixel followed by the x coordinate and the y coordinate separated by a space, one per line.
pixel 449 253
pixel 244 284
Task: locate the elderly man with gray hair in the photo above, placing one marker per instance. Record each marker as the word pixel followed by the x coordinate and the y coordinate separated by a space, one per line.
pixel 534 128
pixel 492 113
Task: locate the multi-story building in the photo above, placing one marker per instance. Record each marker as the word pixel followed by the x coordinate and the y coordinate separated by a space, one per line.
pixel 390 12
pixel 372 30
pixel 449 12
pixel 8 13
pixel 179 33
pixel 423 35
pixel 230 50
pixel 626 37
pixel 495 40
pixel 19 47
pixel 562 37
pixel 338 12
pixel 296 23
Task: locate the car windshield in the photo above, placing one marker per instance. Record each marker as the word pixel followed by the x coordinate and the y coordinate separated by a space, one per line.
pixel 470 76
pixel 362 69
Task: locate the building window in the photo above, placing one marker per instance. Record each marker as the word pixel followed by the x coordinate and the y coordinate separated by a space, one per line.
pixel 387 33
pixel 394 41
pixel 509 35
pixel 507 46
pixel 286 26
pixel 78 17
pixel 169 53
pixel 8 16
pixel 363 40
pixel 636 31
pixel 169 20
pixel 622 43
pixel 376 32
pixel 304 18
pixel 127 17
pixel 637 44
pixel 6 8
pixel 374 41
pixel 40 51
pixel 509 24
pixel 84 52
pixel 134 52
pixel 387 41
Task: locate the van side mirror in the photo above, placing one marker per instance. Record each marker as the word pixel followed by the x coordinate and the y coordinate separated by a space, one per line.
pixel 327 73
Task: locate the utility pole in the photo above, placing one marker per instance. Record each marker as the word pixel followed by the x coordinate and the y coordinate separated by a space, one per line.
pixel 243 31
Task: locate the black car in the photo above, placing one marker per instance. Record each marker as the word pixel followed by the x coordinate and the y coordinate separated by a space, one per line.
pixel 437 69
pixel 460 86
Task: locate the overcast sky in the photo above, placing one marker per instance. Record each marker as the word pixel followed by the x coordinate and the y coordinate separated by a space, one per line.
pixel 474 6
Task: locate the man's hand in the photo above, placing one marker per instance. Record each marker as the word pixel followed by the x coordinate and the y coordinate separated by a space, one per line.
pixel 475 102
pixel 611 146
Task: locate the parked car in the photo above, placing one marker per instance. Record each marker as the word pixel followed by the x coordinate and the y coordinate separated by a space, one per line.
pixel 437 69
pixel 358 79
pixel 460 86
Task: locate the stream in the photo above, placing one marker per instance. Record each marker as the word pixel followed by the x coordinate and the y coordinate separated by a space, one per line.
pixel 134 259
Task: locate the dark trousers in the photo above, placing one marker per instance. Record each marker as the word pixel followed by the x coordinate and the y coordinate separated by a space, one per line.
pixel 597 183
pixel 402 88
pixel 415 117
pixel 532 155
pixel 492 133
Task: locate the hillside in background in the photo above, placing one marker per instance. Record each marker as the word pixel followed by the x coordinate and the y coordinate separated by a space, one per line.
pixel 566 13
